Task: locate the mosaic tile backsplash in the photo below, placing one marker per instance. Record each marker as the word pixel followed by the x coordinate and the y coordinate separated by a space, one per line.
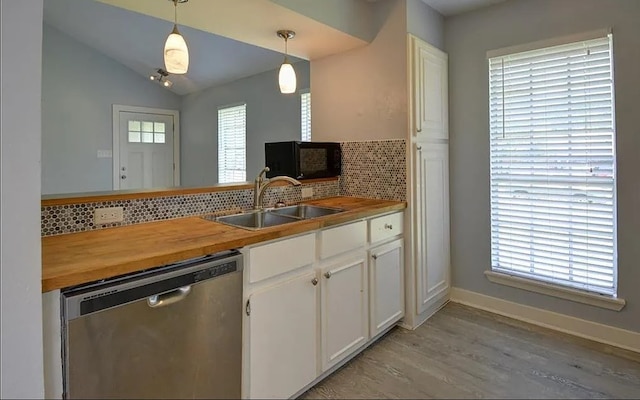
pixel 72 218
pixel 373 169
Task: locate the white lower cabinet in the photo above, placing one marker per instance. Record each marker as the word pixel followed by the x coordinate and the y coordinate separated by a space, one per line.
pixel 386 279
pixel 306 315
pixel 282 335
pixel 344 309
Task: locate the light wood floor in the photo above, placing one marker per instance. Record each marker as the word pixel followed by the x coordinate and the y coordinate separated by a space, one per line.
pixel 462 352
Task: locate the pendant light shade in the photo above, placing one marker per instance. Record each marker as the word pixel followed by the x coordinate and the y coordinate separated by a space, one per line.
pixel 176 53
pixel 287 76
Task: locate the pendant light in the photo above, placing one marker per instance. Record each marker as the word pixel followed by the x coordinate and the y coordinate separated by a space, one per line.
pixel 287 75
pixel 176 53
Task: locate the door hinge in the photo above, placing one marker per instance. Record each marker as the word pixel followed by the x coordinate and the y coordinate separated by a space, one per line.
pixel 247 308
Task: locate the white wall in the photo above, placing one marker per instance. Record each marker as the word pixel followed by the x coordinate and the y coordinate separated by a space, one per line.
pixel 79 86
pixel 271 117
pixel 362 94
pixel 20 262
pixel 467 38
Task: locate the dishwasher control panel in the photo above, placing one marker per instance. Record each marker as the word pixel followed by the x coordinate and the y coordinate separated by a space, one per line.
pixel 216 271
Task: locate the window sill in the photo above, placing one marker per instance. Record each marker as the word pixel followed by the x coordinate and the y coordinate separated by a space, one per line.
pixel 602 301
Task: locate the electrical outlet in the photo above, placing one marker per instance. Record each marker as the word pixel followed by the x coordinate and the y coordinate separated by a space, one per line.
pixel 307 192
pixel 107 215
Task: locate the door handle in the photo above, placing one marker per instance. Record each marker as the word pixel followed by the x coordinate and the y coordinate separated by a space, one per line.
pixel 165 299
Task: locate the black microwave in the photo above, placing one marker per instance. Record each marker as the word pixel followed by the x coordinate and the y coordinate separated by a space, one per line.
pixel 303 160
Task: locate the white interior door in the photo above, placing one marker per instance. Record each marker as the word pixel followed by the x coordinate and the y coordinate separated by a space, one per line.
pixel 146 153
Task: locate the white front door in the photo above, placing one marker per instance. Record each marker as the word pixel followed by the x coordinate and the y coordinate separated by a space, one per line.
pixel 145 155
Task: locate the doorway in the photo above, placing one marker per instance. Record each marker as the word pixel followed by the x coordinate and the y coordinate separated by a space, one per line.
pixel 146 151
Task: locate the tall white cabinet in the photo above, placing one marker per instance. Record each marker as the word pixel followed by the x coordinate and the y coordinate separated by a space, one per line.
pixel 428 267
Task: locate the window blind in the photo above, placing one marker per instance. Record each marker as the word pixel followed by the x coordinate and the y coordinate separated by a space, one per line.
pixel 232 132
pixel 305 116
pixel 553 165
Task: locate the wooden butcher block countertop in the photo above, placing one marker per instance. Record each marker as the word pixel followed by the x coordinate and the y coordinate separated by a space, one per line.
pixel 77 258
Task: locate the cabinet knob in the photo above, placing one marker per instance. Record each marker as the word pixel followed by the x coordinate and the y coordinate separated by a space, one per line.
pixel 314 281
pixel 419 148
pixel 419 130
pixel 123 177
pixel 388 226
pixel 327 274
pixel 374 256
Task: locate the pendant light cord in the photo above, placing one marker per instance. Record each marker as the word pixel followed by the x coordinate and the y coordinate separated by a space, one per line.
pixel 175 12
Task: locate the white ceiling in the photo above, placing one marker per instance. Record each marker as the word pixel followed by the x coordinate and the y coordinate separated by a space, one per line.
pixel 137 40
pixel 453 7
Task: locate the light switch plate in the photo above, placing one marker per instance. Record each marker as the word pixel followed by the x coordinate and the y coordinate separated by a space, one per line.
pixel 307 192
pixel 105 154
pixel 107 215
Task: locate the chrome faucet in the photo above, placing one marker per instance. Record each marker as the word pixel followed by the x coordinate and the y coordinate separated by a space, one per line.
pixel 262 183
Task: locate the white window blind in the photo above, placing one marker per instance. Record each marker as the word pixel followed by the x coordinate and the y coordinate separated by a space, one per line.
pixel 232 144
pixel 553 165
pixel 305 114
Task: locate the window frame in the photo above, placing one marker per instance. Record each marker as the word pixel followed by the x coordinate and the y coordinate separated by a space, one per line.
pixel 530 281
pixel 303 126
pixel 222 168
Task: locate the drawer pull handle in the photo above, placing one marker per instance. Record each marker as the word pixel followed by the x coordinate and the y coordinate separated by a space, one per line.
pixel 388 226
pixel 314 281
pixel 327 274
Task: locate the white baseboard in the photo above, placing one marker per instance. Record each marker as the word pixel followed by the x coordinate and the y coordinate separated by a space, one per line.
pixel 610 335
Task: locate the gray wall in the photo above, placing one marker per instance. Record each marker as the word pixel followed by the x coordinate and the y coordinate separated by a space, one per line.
pixel 425 23
pixel 271 117
pixel 79 86
pixel 349 16
pixel 467 38
pixel 20 262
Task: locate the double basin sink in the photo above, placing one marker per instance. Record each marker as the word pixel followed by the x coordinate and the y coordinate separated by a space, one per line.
pixel 274 216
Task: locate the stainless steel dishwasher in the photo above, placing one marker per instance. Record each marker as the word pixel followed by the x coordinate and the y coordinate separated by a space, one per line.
pixel 168 332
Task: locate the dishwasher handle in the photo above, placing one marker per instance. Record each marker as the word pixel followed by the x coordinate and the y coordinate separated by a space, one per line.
pixel 166 299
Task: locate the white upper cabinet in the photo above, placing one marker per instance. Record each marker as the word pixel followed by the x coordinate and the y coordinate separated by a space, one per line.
pixel 430 91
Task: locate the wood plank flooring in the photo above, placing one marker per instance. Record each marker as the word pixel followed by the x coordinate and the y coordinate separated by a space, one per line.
pixel 462 352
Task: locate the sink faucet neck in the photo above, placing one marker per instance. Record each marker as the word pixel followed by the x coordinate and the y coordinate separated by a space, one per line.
pixel 261 185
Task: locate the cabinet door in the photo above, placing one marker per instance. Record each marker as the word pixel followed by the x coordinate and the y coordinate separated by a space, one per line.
pixel 344 309
pixel 432 223
pixel 430 93
pixel 283 338
pixel 386 296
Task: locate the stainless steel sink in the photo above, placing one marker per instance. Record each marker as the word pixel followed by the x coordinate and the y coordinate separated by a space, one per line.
pixel 254 220
pixel 273 217
pixel 305 211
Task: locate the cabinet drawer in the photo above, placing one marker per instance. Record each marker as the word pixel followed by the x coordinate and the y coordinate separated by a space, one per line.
pixel 279 257
pixel 385 227
pixel 342 238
